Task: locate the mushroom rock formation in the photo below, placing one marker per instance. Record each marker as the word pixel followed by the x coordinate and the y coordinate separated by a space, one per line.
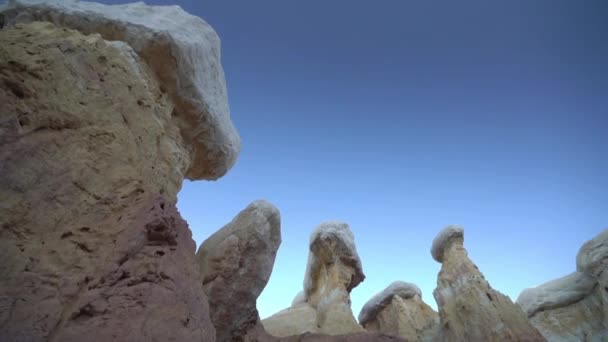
pixel 333 270
pixel 181 51
pixel 236 263
pixel 573 308
pixel 469 308
pixel 566 309
pixel 105 109
pixel 399 310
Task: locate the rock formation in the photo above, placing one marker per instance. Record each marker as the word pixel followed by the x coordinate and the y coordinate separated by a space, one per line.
pixel 105 109
pixel 180 50
pixel 592 259
pixel 469 308
pixel 399 310
pixel 333 270
pixel 573 308
pixel 236 263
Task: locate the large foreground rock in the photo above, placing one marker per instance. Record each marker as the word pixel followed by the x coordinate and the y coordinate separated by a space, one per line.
pixel 574 307
pixel 399 310
pixel 236 263
pixel 182 52
pixel 469 308
pixel 91 246
pixel 333 270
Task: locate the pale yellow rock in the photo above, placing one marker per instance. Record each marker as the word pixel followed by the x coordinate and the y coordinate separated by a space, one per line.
pixel 296 320
pixel 579 321
pixel 469 308
pixel 91 247
pixel 333 270
pixel 399 311
pixel 574 307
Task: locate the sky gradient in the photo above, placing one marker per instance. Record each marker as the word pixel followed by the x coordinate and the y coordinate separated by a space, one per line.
pixel 400 117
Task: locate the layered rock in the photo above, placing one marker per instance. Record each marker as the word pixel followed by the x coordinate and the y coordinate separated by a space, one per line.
pixel 333 270
pixel 399 310
pixel 573 308
pixel 182 52
pixel 96 137
pixel 566 309
pixel 236 263
pixel 469 308
pixel 592 259
pixel 354 337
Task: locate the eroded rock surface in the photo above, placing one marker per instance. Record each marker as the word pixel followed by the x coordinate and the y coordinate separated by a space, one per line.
pixel 91 246
pixel 183 53
pixel 333 270
pixel 399 310
pixel 573 308
pixel 469 308
pixel 566 309
pixel 236 263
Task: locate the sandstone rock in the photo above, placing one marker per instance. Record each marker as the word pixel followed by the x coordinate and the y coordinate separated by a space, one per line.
pixel 91 246
pixel 356 337
pixel 574 307
pixel 557 293
pixel 236 263
pixel 333 270
pixel 469 308
pixel 308 337
pixel 592 258
pixel 566 309
pixel 399 310
pixel 181 50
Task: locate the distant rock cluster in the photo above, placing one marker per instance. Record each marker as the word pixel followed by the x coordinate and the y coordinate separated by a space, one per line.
pixel 105 111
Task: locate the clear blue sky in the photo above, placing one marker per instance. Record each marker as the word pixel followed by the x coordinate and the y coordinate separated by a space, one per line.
pixel 400 117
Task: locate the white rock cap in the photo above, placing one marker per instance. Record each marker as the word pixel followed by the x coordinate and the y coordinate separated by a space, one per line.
pixel 592 258
pixel 341 232
pixel 181 49
pixel 557 293
pixel 441 241
pixel 382 299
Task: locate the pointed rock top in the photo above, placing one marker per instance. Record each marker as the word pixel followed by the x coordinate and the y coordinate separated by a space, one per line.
pixel 443 239
pixel 382 299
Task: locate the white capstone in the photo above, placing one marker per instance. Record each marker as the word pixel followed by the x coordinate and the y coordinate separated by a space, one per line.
pixel 442 240
pixel 382 299
pixel 556 293
pixel 331 230
pixel 181 49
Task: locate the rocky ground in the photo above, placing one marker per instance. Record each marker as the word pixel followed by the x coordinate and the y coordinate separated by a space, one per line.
pixel 105 111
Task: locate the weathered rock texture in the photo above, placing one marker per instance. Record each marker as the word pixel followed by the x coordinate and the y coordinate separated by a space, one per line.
pixel 181 51
pixel 469 308
pixel 573 308
pixel 592 259
pixel 236 263
pixel 399 310
pixel 93 153
pixel 356 337
pixel 333 270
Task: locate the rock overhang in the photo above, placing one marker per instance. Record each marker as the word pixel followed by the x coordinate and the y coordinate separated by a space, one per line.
pixel 183 52
pixel 444 239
